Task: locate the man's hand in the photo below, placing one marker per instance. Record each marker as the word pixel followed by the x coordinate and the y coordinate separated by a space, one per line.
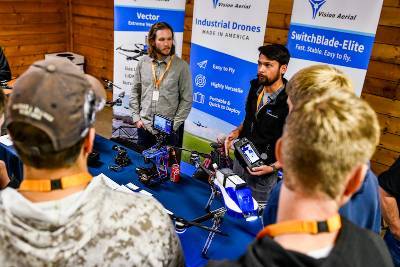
pixel 390 212
pixel 4 179
pixel 229 139
pixel 139 124
pixel 261 170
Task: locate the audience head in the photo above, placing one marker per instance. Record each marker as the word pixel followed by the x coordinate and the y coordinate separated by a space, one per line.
pixel 51 113
pixel 315 81
pixel 327 142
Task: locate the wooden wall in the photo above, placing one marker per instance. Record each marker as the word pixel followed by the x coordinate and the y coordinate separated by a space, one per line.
pixel 93 35
pixel 31 28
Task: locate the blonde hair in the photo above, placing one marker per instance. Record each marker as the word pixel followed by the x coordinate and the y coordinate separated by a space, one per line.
pixel 325 138
pixel 316 80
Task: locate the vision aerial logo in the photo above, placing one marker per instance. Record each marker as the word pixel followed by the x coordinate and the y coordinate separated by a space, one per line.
pixel 215 3
pixel 315 5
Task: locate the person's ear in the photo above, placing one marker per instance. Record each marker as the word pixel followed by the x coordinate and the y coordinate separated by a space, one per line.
pixel 354 182
pixel 278 152
pixel 89 141
pixel 283 69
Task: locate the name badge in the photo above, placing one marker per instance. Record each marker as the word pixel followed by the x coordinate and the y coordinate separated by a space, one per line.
pixel 156 95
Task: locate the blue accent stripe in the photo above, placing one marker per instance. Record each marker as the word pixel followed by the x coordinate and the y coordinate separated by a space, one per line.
pixel 330 46
pixel 334 29
pixel 141 19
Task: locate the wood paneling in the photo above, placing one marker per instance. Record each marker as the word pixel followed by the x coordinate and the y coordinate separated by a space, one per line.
pixel 30 29
pixel 93 35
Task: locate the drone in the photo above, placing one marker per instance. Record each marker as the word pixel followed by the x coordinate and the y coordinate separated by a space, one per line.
pixel 198 123
pixel 118 101
pixel 237 199
pixel 216 156
pixel 140 50
pixel 158 156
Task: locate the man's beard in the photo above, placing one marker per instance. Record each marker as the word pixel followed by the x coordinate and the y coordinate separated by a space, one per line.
pixel 161 53
pixel 268 82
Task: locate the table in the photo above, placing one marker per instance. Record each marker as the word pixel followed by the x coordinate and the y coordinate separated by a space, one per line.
pixel 186 199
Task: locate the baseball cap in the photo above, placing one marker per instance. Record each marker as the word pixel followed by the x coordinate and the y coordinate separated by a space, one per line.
pixel 54 96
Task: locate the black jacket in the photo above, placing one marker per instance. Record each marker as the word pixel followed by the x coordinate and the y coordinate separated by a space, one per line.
pixel 355 247
pixel 5 72
pixel 265 128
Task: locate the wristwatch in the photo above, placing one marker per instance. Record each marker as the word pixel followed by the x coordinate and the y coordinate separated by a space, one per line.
pixel 274 168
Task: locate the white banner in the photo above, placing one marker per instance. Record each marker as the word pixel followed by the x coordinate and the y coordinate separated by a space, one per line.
pixel 226 35
pixel 336 32
pixel 132 22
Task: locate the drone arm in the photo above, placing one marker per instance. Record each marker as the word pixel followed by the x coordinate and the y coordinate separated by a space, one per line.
pixel 187 224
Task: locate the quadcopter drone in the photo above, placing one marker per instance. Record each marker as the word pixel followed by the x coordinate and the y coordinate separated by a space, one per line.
pixel 237 199
pixel 158 154
pixel 135 54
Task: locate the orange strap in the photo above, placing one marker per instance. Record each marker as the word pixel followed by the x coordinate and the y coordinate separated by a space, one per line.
pixel 260 97
pixel 158 81
pixel 332 224
pixel 47 185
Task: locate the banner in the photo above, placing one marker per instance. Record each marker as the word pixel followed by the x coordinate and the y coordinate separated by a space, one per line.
pixel 336 32
pixel 132 22
pixel 226 35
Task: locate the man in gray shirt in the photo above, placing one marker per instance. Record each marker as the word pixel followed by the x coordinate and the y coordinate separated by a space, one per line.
pixel 162 85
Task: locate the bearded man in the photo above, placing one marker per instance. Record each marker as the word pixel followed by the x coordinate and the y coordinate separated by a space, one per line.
pixel 266 111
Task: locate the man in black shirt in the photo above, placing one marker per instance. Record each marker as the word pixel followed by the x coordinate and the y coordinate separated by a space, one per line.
pixel 5 72
pixel 389 182
pixel 266 111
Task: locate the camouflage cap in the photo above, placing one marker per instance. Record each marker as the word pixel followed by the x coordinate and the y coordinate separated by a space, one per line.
pixel 56 97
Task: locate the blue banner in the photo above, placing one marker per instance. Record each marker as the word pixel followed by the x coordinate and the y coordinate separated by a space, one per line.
pixel 335 32
pixel 331 46
pixel 131 26
pixel 140 19
pixel 220 83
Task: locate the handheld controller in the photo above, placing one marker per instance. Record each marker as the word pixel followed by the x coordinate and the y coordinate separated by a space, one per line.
pixel 248 153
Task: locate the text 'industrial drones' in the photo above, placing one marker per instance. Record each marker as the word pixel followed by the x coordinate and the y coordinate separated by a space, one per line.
pixel 223 59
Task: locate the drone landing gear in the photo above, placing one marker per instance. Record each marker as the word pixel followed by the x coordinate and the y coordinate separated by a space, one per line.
pixel 217 222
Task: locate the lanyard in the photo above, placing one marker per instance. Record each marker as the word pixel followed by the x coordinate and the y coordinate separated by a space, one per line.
pixel 260 97
pixel 46 185
pixel 158 81
pixel 332 224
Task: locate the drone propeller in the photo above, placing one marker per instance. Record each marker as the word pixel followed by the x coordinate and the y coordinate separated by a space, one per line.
pixel 109 84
